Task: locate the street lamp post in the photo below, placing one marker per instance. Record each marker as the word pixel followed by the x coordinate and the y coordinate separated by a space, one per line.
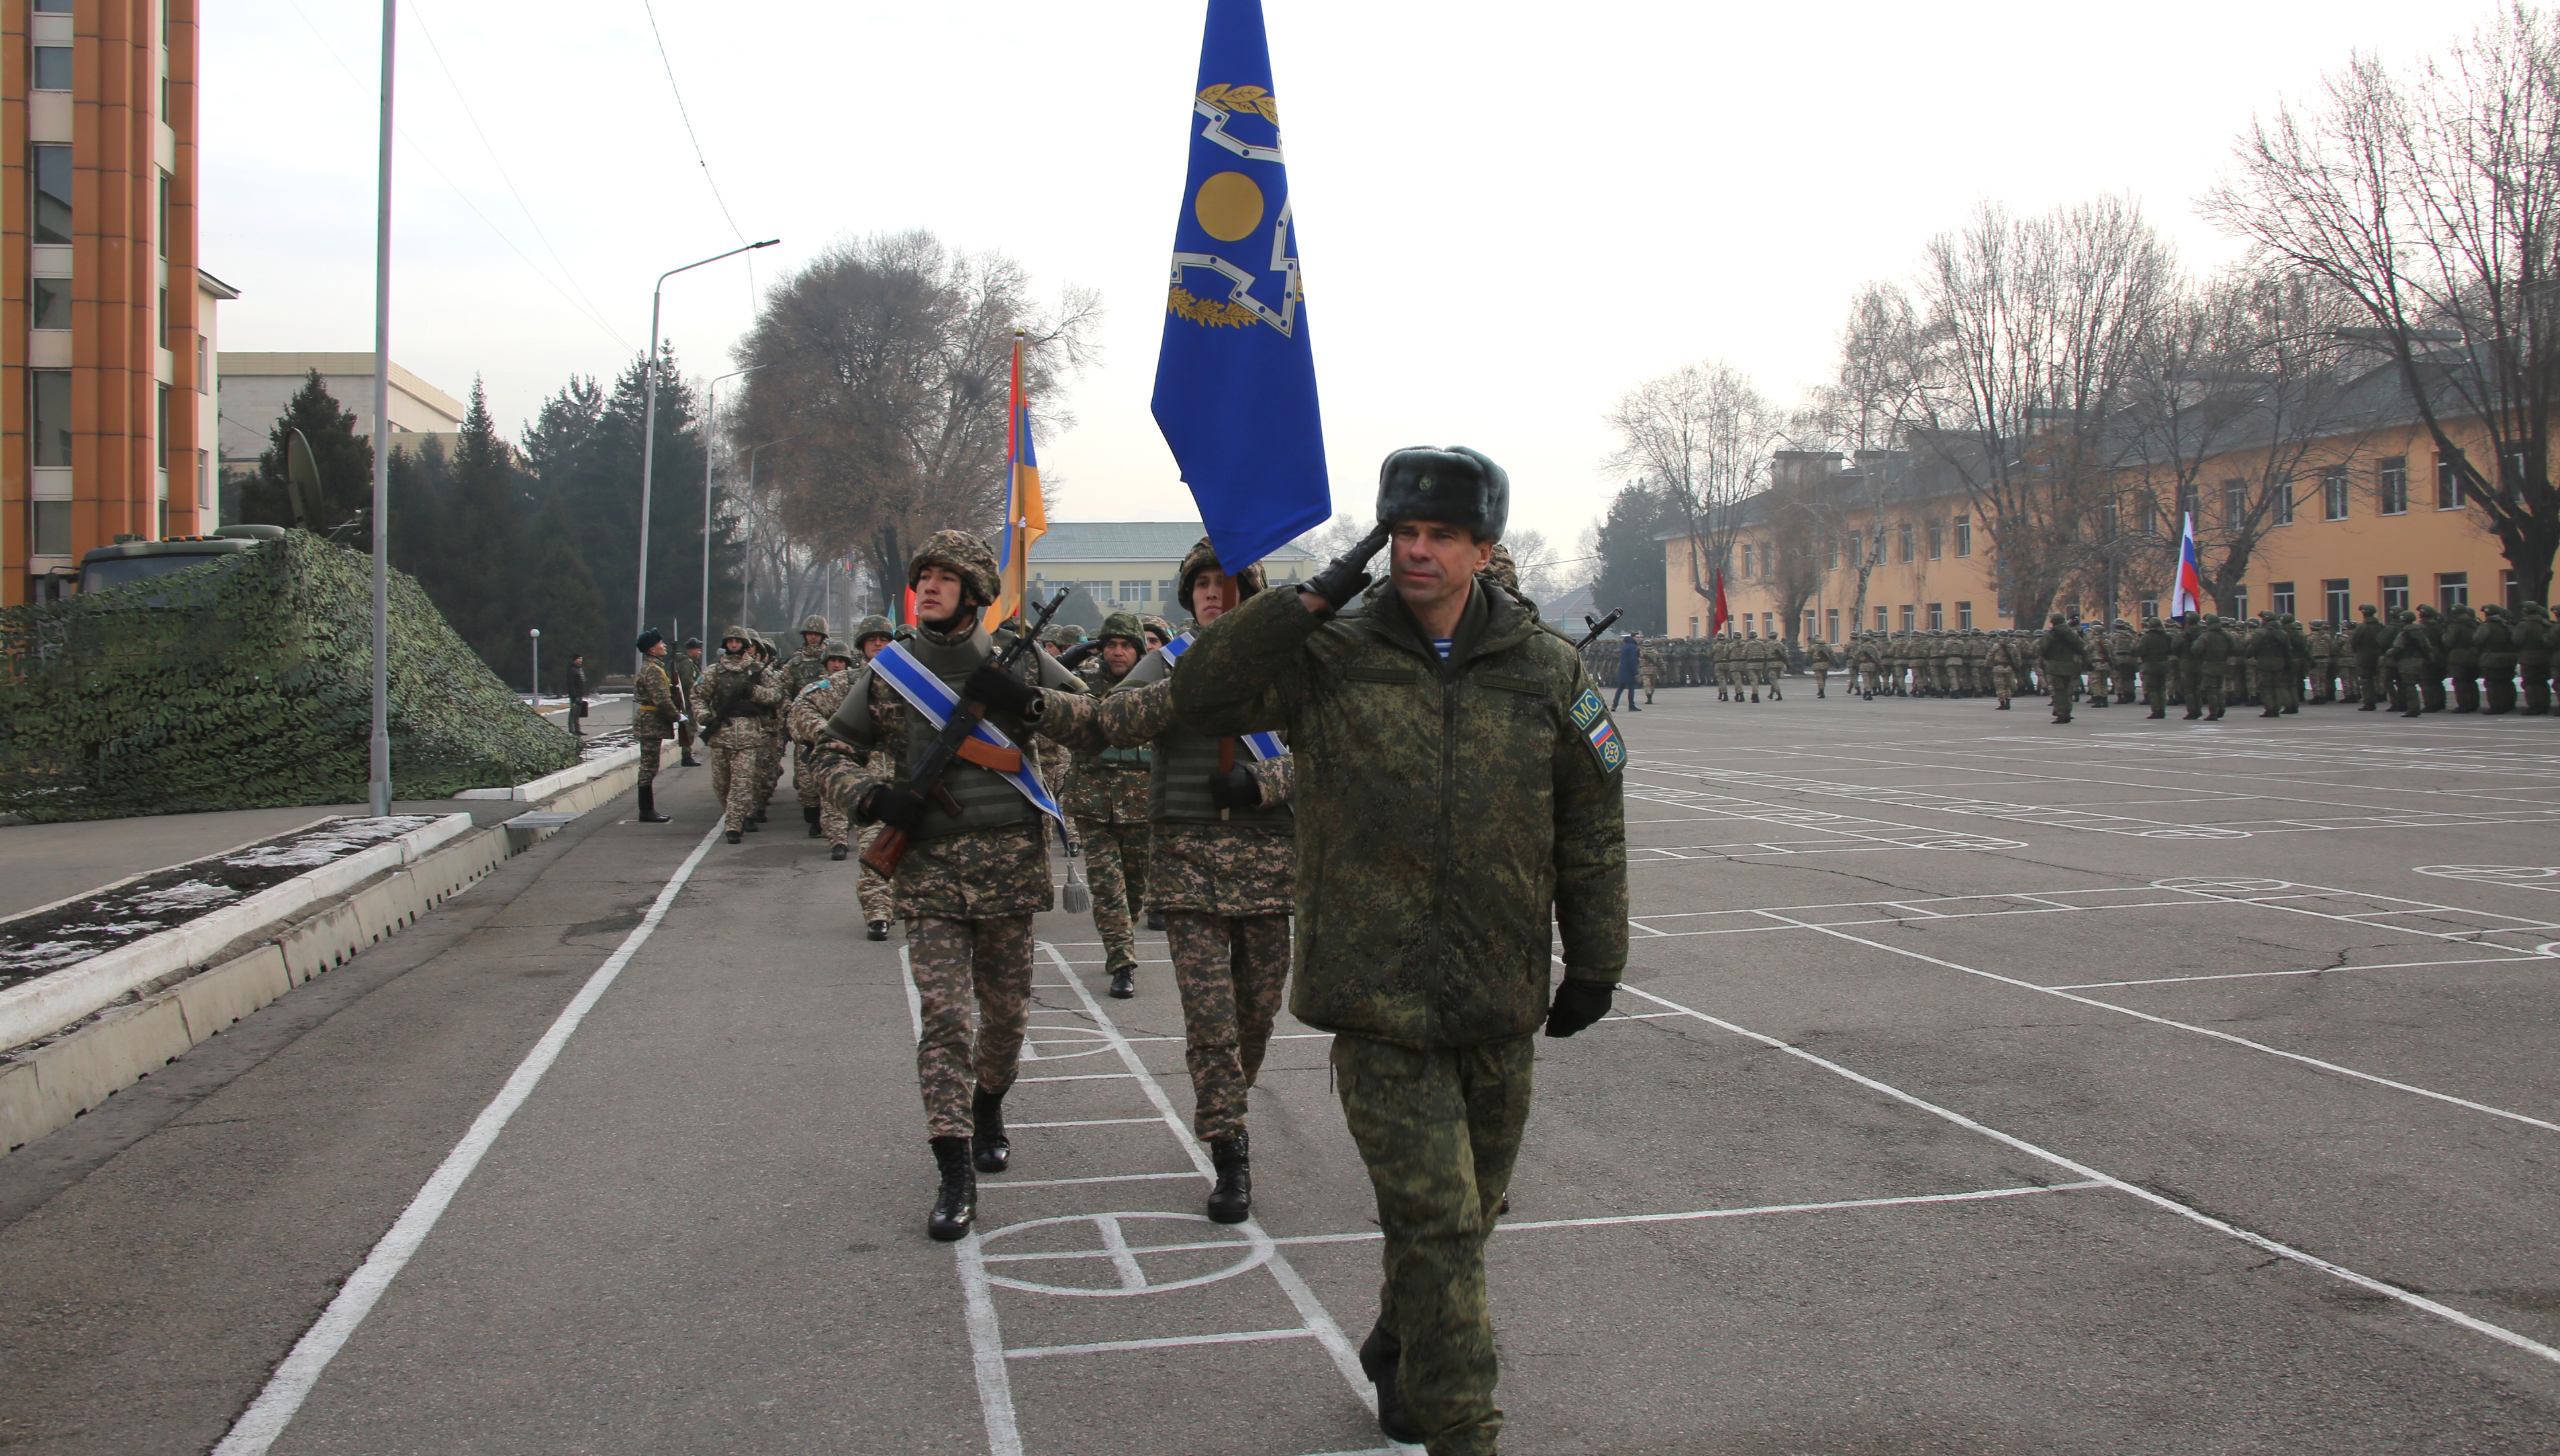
pixel 380 790
pixel 537 634
pixel 711 419
pixel 649 431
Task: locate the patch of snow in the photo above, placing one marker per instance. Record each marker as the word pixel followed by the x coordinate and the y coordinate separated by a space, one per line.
pixel 45 955
pixel 187 895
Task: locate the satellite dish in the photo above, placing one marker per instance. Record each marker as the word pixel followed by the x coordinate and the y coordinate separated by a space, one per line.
pixel 301 480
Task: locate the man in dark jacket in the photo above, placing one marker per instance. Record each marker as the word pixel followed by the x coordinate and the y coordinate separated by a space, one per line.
pixel 1457 792
pixel 1631 672
pixel 576 693
pixel 2365 642
pixel 2066 657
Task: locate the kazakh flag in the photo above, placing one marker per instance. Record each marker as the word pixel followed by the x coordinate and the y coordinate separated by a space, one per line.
pixel 1026 518
pixel 1236 380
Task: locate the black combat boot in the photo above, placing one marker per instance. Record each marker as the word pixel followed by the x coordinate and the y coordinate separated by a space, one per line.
pixel 649 807
pixel 1231 1202
pixel 955 1208
pixel 1379 1355
pixel 751 827
pixel 2193 713
pixel 810 813
pixel 838 852
pixel 759 816
pixel 2004 705
pixel 877 930
pixel 992 1148
pixel 735 835
pixel 1124 982
pixel 2160 712
pixel 689 761
pixel 1154 919
pixel 1755 695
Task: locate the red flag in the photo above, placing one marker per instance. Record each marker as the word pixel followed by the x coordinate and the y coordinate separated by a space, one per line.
pixel 910 605
pixel 1716 622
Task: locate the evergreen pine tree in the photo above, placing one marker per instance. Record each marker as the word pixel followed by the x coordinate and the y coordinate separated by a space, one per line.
pixel 561 599
pixel 345 462
pixel 1631 560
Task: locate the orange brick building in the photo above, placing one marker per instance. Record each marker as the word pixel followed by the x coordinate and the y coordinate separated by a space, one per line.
pixel 105 377
pixel 2370 516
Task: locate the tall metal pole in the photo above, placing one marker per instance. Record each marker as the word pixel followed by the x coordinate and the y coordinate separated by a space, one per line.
pixel 381 738
pixel 649 433
pixel 711 421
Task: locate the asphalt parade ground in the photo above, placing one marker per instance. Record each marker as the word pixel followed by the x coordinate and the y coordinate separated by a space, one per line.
pixel 1981 1086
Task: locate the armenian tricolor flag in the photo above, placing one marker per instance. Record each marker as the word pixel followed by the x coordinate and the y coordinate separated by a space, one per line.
pixel 1025 519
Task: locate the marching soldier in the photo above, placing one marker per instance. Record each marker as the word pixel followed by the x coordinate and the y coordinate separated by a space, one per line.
pixel 2003 656
pixel 2365 643
pixel 870 634
pixel 969 884
pixel 811 707
pixel 1461 771
pixel 2156 649
pixel 1106 791
pixel 656 709
pixel 797 672
pixel 2534 640
pixel 1219 868
pixel 2496 639
pixel 739 697
pixel 2066 657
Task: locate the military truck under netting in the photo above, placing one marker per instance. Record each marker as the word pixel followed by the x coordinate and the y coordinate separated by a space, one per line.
pixel 246 681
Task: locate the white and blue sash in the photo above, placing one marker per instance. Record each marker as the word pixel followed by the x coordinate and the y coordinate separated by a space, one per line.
pixel 1266 747
pixel 930 696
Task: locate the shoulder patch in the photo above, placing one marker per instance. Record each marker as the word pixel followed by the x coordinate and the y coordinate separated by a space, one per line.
pixel 1591 718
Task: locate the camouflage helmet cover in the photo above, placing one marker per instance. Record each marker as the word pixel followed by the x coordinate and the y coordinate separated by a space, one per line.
pixel 837 647
pixel 963 554
pixel 1503 568
pixel 818 625
pixel 1157 625
pixel 873 625
pixel 736 634
pixel 1202 558
pixel 1125 626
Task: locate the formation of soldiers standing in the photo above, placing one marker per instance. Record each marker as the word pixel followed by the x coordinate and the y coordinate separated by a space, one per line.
pixel 2486 660
pixel 1364 723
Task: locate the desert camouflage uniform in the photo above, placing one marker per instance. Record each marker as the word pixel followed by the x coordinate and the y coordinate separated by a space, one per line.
pixel 807 723
pixel 1223 887
pixel 797 672
pixel 1106 793
pixel 739 696
pixel 967 894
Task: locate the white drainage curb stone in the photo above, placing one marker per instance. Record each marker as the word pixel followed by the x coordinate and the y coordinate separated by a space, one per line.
pixel 554 785
pixel 48 1003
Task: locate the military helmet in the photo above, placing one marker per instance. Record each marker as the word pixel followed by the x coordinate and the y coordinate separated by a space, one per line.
pixel 2121 622
pixel 838 647
pixel 873 625
pixel 1457 486
pixel 692 642
pixel 2054 621
pixel 1060 635
pixel 2286 620
pixel 818 625
pixel 742 635
pixel 1157 625
pixel 962 552
pixel 2367 608
pixel 1503 568
pixel 1126 627
pixel 1202 558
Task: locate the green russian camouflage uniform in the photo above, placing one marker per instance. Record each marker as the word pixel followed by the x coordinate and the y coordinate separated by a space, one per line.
pixel 1449 812
pixel 1820 657
pixel 2365 642
pixel 2463 658
pixel 2157 650
pixel 654 708
pixel 2496 637
pixel 967 890
pixel 738 697
pixel 2066 656
pixel 2534 640
pixel 1106 793
pixel 1223 887
pixel 2210 647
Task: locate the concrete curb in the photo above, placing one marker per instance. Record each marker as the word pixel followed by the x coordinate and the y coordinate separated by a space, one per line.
pixel 50 1002
pixel 554 785
pixel 59 1082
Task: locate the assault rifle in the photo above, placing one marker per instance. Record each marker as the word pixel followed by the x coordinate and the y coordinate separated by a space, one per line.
pixel 1597 627
pixel 885 852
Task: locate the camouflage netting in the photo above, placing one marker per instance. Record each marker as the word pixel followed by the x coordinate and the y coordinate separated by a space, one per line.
pixel 247 682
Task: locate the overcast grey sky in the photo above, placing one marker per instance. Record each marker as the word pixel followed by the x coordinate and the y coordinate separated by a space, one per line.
pixel 1507 213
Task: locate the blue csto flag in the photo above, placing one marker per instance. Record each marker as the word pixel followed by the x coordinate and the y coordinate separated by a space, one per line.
pixel 1236 380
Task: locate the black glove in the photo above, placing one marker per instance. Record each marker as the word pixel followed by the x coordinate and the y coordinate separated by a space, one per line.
pixel 1579 1003
pixel 1348 575
pixel 899 809
pixel 1234 788
pixel 1000 690
pixel 1076 657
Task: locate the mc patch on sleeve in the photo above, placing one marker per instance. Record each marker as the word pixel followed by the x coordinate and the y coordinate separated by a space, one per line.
pixel 1591 716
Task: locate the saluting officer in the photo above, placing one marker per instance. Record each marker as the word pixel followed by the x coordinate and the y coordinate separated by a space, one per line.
pixel 657 708
pixel 1458 786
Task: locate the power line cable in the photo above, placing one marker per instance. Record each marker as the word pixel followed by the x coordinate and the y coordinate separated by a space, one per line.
pixel 421 154
pixel 664 59
pixel 418 14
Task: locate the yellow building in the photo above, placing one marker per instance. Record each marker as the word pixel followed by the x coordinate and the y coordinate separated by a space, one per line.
pixel 2370 516
pixel 105 368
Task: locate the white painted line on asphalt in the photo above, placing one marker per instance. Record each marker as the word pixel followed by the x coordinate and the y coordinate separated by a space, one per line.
pixel 2256 1240
pixel 1105 1347
pixel 2404 965
pixel 1087 1122
pixel 2311 1061
pixel 276 1406
pixel 983 1183
pixel 1311 1310
pixel 1081 1076
pixel 987 1348
pixel 915 997
pixel 1893 1202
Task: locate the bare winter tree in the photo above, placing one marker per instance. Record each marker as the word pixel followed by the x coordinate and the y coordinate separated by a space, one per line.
pixel 2033 330
pixel 883 366
pixel 1867 407
pixel 2433 201
pixel 1700 435
pixel 2245 376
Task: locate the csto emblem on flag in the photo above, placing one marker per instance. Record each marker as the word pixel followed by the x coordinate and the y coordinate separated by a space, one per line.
pixel 1235 377
pixel 1591 716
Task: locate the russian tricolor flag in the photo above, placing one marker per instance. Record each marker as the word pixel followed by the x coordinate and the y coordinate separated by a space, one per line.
pixel 2187 594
